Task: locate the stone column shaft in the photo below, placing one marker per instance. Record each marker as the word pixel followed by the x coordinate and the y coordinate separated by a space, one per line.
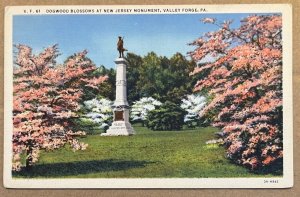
pixel 121 83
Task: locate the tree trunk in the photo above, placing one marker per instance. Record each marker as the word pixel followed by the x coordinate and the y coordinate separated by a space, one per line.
pixel 28 165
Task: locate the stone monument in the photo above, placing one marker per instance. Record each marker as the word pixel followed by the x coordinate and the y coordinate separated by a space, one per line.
pixel 121 124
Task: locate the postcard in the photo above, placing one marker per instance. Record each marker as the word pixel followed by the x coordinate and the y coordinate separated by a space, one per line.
pixel 148 96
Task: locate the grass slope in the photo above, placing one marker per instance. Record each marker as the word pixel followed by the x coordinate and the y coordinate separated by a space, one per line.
pixel 146 154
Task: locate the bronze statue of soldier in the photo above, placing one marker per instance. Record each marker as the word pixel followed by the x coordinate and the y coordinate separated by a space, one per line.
pixel 120 48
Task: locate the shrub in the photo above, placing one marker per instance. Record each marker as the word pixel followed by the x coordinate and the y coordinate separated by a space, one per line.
pixel 168 116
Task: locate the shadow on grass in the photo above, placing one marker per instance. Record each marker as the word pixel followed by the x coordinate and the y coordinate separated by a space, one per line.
pixel 79 167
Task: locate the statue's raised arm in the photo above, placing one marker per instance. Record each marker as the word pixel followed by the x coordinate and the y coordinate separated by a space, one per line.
pixel 120 47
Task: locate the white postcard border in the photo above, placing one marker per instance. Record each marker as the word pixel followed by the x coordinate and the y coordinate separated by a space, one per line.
pixel 277 182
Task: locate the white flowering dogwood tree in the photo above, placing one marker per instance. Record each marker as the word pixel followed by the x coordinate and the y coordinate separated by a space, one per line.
pixel 141 108
pixel 99 111
pixel 193 104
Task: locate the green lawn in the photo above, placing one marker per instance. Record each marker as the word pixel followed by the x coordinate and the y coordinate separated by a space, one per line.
pixel 146 154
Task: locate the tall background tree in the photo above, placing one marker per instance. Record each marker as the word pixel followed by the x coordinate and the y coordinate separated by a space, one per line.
pixel 159 77
pixel 244 82
pixel 107 89
pixel 133 76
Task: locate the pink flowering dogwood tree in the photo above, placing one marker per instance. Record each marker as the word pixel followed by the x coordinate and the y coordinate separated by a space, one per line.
pixel 244 82
pixel 45 100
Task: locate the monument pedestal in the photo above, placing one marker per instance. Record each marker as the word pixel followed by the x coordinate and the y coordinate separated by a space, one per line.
pixel 121 124
pixel 119 128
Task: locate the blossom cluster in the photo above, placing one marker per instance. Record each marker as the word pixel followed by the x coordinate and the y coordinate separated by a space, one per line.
pixel 193 104
pixel 245 86
pixel 99 111
pixel 141 108
pixel 215 141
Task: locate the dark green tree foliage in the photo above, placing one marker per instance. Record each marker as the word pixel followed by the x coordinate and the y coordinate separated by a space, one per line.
pixel 159 77
pixel 108 88
pixel 133 76
pixel 168 116
pixel 150 76
pixel 150 83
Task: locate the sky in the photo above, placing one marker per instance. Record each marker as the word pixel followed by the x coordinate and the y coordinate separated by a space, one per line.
pixel 165 34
